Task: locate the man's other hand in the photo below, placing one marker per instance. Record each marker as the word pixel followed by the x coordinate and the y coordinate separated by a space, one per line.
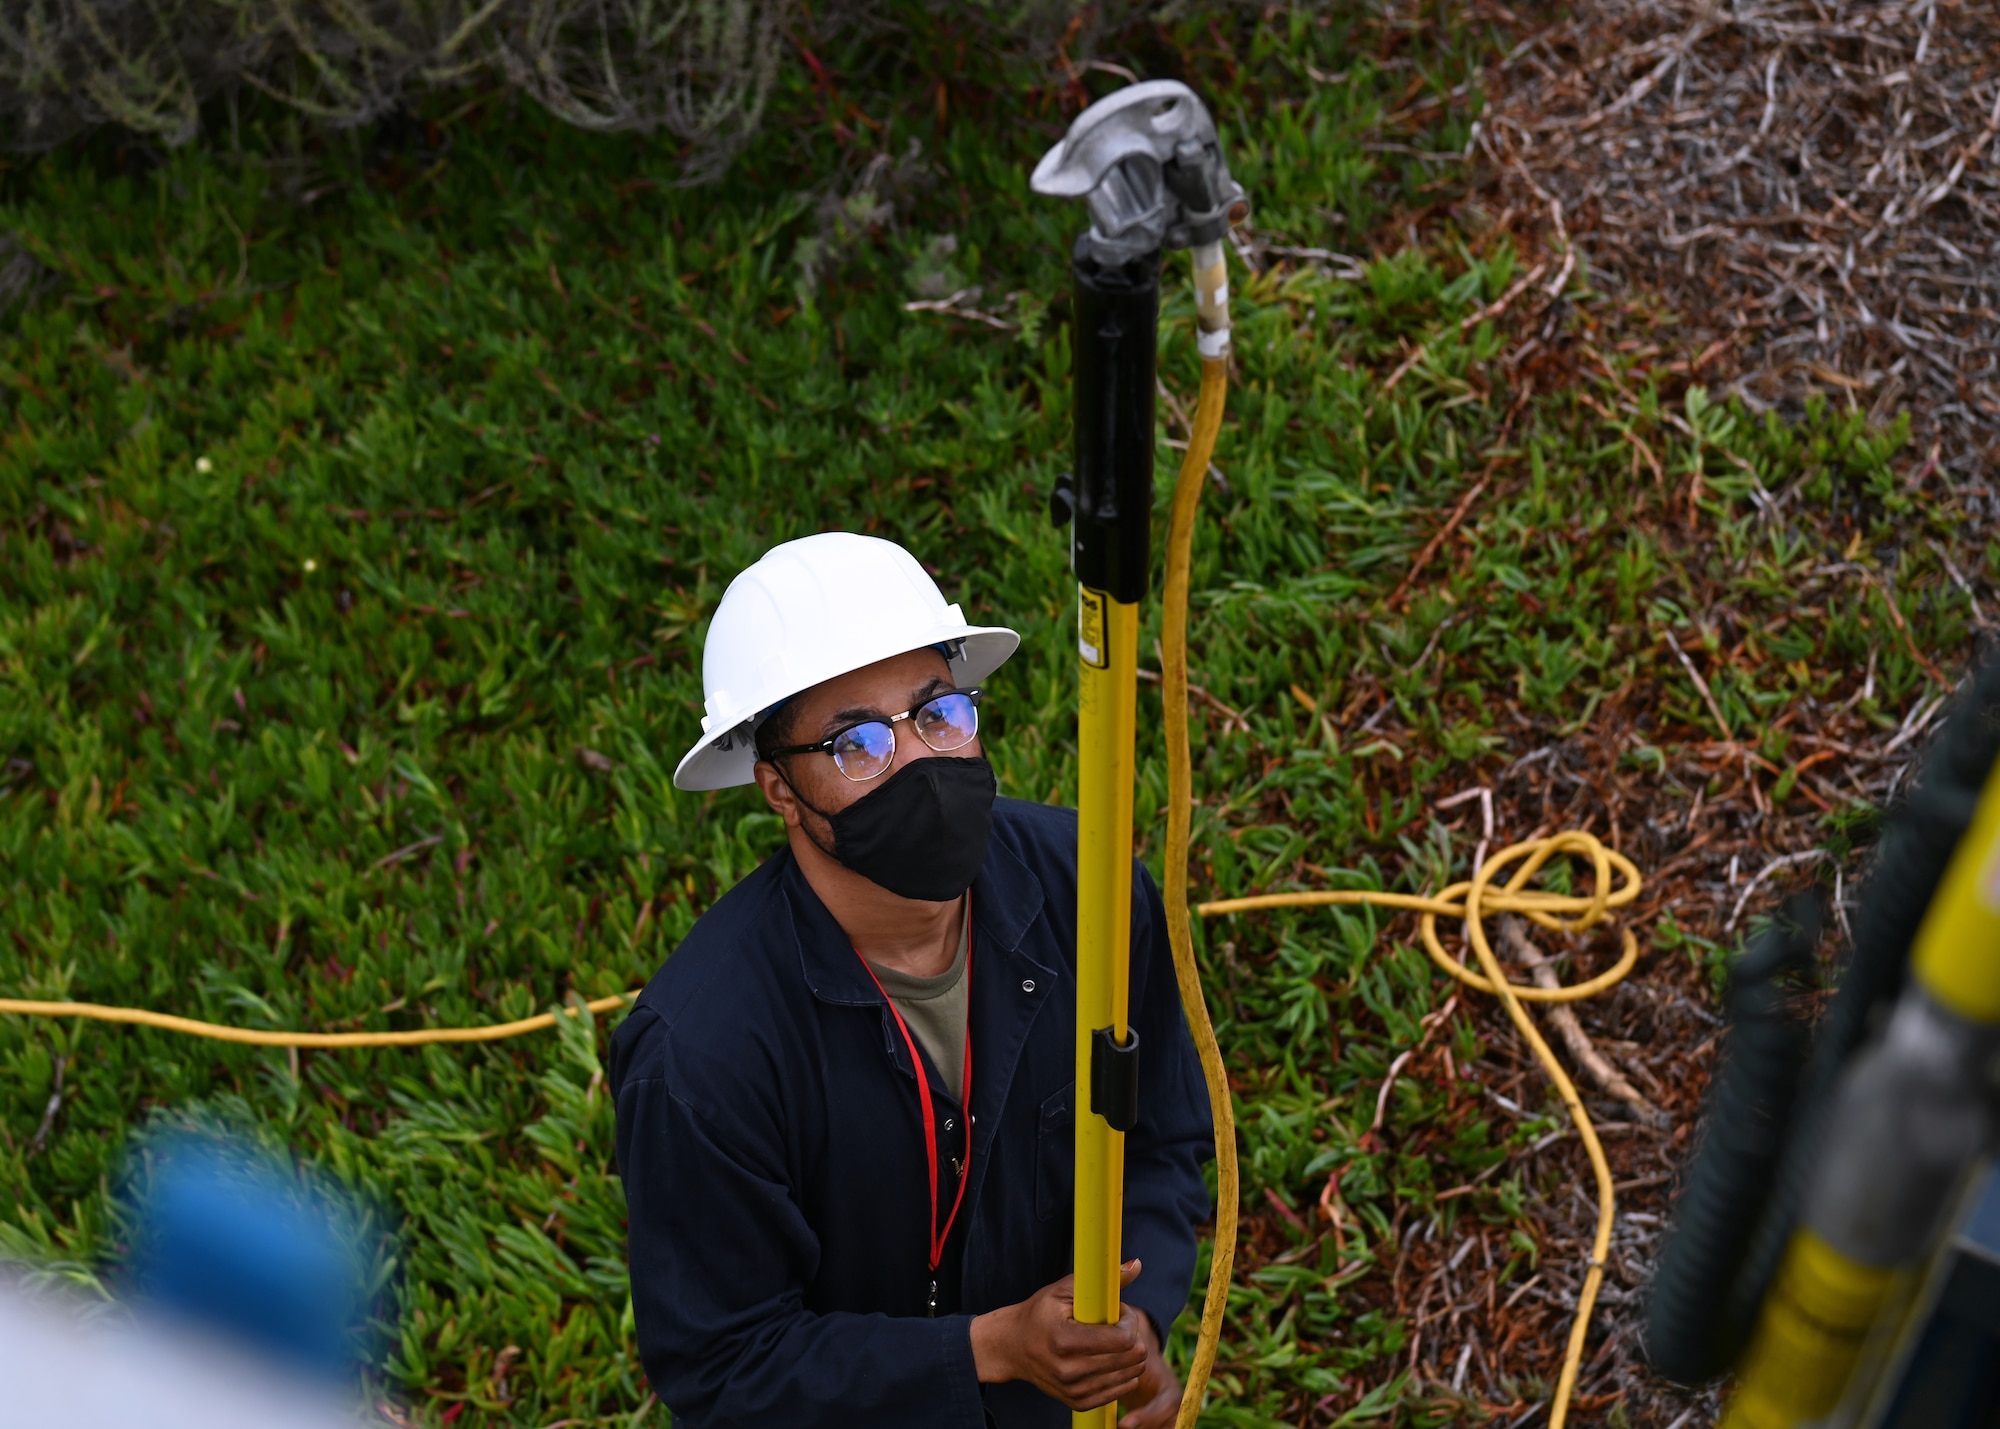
pixel 1156 1403
pixel 1082 1366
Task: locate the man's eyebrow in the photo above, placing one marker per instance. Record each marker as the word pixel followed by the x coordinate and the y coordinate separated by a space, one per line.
pixel 839 719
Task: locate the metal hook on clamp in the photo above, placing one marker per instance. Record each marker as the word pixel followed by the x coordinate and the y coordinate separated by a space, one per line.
pixel 1148 166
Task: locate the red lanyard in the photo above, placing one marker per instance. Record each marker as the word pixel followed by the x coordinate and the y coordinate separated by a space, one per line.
pixel 930 1115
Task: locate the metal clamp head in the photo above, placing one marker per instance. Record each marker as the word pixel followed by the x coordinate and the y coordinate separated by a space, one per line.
pixel 1148 166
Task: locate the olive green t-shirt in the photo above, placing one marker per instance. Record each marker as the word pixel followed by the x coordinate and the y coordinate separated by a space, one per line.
pixel 935 1008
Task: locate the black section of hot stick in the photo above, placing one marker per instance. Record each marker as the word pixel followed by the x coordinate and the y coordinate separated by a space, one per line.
pixel 1117 337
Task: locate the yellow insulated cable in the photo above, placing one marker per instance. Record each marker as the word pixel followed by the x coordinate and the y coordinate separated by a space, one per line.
pixel 1469 901
pixel 253 1037
pixel 1180 808
pixel 1106 710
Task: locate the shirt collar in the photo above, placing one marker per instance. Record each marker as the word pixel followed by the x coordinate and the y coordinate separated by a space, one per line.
pixel 1006 900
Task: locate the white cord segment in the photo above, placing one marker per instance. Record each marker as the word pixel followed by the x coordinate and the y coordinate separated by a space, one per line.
pixel 1211 300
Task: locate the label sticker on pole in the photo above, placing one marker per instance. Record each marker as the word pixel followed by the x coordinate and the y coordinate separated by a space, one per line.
pixel 1093 635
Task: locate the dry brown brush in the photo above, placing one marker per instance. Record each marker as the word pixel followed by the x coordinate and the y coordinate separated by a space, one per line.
pixel 702 71
pixel 1813 186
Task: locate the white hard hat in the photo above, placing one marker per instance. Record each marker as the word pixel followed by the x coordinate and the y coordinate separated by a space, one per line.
pixel 809 610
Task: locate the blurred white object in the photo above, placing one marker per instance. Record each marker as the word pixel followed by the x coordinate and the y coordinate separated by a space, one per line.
pixel 61 1368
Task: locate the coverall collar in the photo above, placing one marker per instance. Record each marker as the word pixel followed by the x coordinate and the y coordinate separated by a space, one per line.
pixel 1006 899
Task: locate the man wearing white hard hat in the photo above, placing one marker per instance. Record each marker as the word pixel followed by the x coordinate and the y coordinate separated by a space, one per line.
pixel 846 1104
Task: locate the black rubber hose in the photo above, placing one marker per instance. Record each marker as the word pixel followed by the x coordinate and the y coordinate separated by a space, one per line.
pixel 1730 1178
pixel 1915 848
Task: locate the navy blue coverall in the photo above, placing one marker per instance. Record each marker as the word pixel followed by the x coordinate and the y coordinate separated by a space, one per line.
pixel 771 1146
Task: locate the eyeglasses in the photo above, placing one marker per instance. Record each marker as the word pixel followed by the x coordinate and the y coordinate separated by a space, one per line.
pixel 865 750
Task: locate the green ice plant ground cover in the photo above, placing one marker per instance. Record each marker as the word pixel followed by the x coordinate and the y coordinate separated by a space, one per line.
pixel 355 556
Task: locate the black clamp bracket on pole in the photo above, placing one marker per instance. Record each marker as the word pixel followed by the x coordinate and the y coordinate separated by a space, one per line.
pixel 1109 500
pixel 1114 1078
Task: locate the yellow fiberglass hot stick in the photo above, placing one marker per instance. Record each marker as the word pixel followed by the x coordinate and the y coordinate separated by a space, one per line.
pixel 1117 307
pixel 1108 662
pixel 1148 165
pixel 1107 650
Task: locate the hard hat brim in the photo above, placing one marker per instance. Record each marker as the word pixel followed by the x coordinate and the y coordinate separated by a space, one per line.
pixel 724 760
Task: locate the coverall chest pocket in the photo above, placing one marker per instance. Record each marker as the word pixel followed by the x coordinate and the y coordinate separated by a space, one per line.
pixel 1055 1155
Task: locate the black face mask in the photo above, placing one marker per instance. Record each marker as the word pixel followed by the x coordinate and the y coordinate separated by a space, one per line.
pixel 923 833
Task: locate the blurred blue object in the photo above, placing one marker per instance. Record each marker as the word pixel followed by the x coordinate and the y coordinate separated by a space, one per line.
pixel 237 1245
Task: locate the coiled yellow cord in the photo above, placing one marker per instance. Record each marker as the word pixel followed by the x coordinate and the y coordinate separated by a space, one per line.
pixel 1471 902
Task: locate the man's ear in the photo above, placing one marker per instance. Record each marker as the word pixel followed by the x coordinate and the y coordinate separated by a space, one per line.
pixel 777 793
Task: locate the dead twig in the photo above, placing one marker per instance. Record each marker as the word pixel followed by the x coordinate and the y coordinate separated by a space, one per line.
pixel 1432 546
pixel 957 306
pixel 1431 1025
pixel 1230 716
pixel 1707 695
pixel 1811 855
pixel 1562 1017
pixel 41 1135
pixel 407 851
